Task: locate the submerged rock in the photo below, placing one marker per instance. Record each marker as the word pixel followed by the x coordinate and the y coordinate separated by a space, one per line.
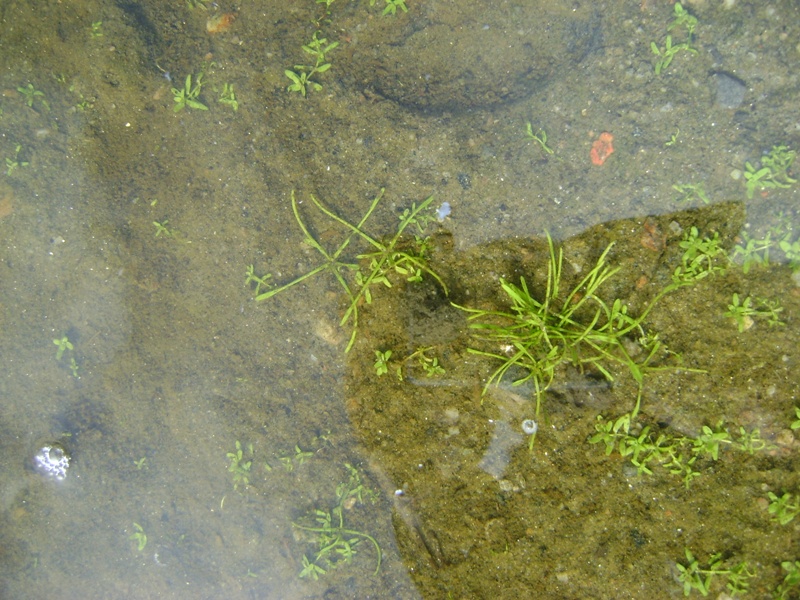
pixel 463 55
pixel 730 90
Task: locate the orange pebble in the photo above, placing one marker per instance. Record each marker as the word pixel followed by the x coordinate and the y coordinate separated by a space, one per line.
pixel 602 148
pixel 220 23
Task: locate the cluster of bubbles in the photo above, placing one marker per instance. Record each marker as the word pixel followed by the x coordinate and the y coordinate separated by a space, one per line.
pixel 52 461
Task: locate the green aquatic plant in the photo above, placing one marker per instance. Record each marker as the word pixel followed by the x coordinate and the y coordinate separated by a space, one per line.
pixel 784 508
pixel 537 335
pixel 392 6
pixel 667 54
pixel 673 139
pixel 796 423
pixel 683 18
pixel 429 364
pixel 300 457
pixel 773 172
pixel 751 251
pixel 689 192
pixel 693 576
pixel 779 160
pixel 139 537
pixel 744 312
pixel 228 97
pixel 162 229
pixel 251 278
pixel 382 362
pixel 677 454
pixel 701 257
pixel 397 256
pixel 12 164
pixel 699 578
pixel 540 137
pixel 302 74
pixel 790 582
pixel 239 467
pixel 63 345
pixel 188 95
pixel 791 249
pixel 337 543
pixel 31 94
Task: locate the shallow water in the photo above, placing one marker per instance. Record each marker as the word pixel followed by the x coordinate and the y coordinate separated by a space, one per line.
pixel 128 228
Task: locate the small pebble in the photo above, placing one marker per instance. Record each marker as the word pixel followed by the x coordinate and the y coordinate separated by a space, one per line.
pixel 730 90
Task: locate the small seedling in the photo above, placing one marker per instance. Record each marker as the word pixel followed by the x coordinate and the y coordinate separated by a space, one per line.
pixel 239 467
pixel 668 53
pixel 382 362
pixel 785 508
pixel 251 278
pixel 540 137
pixel 300 456
pixel 750 441
pixel 429 364
pixel 796 423
pixel 701 258
pixel 12 164
pixel 301 76
pixel 30 94
pixel 695 577
pixel 337 543
pixel 773 172
pixel 744 312
pixel 779 160
pixel 683 18
pixel 162 229
pixel 139 537
pixel 393 5
pixel 228 96
pixel 73 367
pixel 97 29
pixel 791 249
pixel 63 345
pixel 311 569
pixel 691 192
pixel 673 138
pixel 140 464
pixel 791 581
pixel 188 95
pixel 675 453
pixel 753 252
pixel 709 440
pixel 756 179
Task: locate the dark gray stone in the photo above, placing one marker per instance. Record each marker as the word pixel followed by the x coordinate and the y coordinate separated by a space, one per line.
pixel 460 55
pixel 730 90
